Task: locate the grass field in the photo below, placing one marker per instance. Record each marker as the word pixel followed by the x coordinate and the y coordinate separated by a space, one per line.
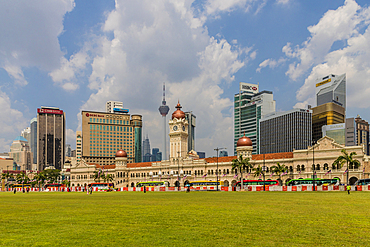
pixel 185 219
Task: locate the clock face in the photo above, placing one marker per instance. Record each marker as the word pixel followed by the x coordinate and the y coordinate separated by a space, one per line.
pixel 183 128
pixel 174 128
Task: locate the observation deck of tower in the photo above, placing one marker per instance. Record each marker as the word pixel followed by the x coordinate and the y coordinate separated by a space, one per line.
pixel 163 110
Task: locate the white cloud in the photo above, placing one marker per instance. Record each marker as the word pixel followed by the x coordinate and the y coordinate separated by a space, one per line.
pixel 71 138
pixel 353 59
pixel 282 1
pixel 11 123
pixel 66 76
pixel 29 35
pixel 214 7
pixel 270 63
pixel 156 42
pixel 335 25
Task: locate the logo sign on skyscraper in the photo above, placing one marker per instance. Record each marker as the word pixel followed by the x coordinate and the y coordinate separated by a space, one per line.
pixel 49 111
pixel 248 87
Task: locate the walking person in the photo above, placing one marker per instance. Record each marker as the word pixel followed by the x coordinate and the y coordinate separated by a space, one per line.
pixel 348 189
pixel 15 190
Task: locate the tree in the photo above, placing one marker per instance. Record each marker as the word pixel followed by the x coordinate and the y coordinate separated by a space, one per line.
pixel 241 164
pixel 108 178
pixel 258 171
pixel 279 170
pixel 98 175
pixel 347 158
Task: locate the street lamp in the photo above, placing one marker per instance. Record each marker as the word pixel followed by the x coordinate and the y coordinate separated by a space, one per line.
pixel 263 173
pixel 217 149
pixel 313 167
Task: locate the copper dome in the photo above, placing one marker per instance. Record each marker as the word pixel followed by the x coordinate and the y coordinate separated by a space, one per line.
pixel 121 153
pixel 178 113
pixel 244 141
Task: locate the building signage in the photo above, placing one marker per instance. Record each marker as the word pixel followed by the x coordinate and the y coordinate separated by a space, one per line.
pixel 49 111
pixel 94 115
pixel 248 87
pixel 323 82
pixel 120 110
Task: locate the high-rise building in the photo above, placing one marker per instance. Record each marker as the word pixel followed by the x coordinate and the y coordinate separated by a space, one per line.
pixel 326 114
pixel 335 131
pixel 103 133
pixel 68 150
pixel 21 153
pixel 110 105
pixel 190 117
pixel 223 153
pixel 138 126
pixel 350 132
pixel 362 133
pixel 33 141
pixel 146 149
pixel 78 152
pixel 50 137
pixel 331 88
pixel 249 107
pixel 163 110
pixel 26 133
pixel 285 131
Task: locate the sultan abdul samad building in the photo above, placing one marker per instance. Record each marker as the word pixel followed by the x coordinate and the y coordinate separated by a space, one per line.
pixel 188 167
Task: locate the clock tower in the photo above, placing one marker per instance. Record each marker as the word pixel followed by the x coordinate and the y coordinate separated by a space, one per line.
pixel 178 133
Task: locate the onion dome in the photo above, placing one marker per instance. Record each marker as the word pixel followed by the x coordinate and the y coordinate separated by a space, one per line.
pixel 178 113
pixel 244 141
pixel 121 153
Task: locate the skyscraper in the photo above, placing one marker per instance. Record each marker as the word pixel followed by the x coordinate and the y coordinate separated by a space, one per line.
pixel 78 146
pixel 331 88
pixel 21 153
pixel 331 103
pixel 326 114
pixel 285 131
pixel 104 133
pixel 163 110
pixel 362 133
pixel 51 137
pixel 146 149
pixel 190 117
pixel 110 105
pixel 68 150
pixel 249 107
pixel 33 142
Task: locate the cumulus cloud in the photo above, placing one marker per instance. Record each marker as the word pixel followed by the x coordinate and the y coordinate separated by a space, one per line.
pixel 67 75
pixel 353 59
pixel 214 7
pixel 11 123
pixel 156 42
pixel 335 25
pixel 21 44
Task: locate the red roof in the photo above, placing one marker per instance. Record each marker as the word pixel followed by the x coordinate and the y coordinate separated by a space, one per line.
pixel 285 155
pixel 220 159
pixel 141 164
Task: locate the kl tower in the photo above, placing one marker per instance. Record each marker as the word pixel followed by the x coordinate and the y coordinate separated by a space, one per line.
pixel 163 110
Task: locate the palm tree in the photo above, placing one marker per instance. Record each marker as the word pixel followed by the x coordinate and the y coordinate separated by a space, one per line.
pixel 97 176
pixel 346 158
pixel 108 178
pixel 258 171
pixel 279 170
pixel 241 164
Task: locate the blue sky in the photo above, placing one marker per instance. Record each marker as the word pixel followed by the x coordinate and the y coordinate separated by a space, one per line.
pixel 76 55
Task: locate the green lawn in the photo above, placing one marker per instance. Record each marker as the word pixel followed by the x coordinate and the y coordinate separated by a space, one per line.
pixel 185 219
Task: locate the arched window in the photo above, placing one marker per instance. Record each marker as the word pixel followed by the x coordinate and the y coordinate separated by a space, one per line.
pixel 298 168
pixel 318 167
pixel 227 171
pixel 326 166
pixel 302 168
pixel 291 168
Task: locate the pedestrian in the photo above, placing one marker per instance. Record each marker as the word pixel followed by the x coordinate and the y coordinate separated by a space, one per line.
pixel 144 189
pixel 91 189
pixel 28 190
pixel 348 188
pixel 15 190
